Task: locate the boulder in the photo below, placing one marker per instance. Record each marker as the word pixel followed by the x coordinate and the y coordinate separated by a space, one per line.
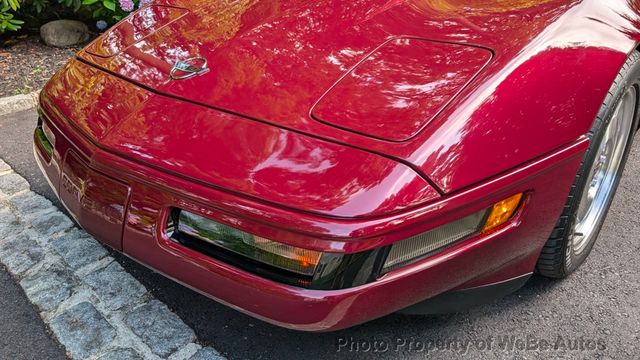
pixel 64 33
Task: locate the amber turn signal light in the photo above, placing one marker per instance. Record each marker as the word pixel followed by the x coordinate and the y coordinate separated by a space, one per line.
pixel 501 212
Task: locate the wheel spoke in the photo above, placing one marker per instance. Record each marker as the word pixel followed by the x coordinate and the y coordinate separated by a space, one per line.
pixel 604 172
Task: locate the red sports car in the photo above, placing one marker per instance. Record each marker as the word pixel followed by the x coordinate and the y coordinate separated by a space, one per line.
pixel 318 164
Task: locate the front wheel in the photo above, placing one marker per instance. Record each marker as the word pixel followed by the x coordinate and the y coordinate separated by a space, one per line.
pixel 598 178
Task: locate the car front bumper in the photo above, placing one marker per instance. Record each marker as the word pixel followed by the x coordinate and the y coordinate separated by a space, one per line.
pixel 125 204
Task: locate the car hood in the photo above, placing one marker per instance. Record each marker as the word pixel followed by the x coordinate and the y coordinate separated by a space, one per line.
pixel 407 79
pixel 227 152
pixel 274 60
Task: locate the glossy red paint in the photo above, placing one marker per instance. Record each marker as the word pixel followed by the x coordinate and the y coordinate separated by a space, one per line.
pixel 243 145
pixel 98 202
pixel 273 60
pixel 240 155
pixel 427 75
pixel 134 28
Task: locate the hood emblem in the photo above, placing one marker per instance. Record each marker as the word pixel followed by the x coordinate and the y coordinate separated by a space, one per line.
pixel 189 68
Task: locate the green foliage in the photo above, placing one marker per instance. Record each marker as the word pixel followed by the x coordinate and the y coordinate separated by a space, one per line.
pixel 14 13
pixel 39 5
pixel 9 4
pixel 107 10
pixel 7 20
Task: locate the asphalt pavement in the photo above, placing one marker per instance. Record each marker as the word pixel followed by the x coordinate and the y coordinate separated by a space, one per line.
pixel 593 313
pixel 22 334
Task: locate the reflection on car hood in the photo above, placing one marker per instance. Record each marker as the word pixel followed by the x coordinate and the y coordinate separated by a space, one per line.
pixel 221 150
pixel 274 60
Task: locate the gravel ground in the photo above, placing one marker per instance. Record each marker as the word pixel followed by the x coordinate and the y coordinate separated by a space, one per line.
pixel 26 64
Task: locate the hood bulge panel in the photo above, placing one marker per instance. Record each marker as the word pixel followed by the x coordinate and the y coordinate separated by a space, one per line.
pixel 400 87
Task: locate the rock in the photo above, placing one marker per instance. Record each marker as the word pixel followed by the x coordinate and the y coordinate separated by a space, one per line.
pixel 121 354
pixel 51 224
pixel 64 33
pixel 159 328
pixel 20 254
pixel 207 354
pixel 4 166
pixel 11 104
pixel 49 287
pixel 30 204
pixel 78 249
pixel 115 287
pixel 83 330
pixel 10 227
pixel 12 183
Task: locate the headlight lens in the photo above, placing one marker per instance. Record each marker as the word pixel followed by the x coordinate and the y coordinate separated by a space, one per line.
pixel 44 137
pixel 313 269
pixel 49 134
pixel 300 261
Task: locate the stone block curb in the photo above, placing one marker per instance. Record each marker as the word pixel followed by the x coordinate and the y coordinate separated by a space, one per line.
pixel 11 104
pixel 93 307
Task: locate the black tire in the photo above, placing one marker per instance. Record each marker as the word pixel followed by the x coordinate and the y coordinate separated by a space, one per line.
pixel 557 259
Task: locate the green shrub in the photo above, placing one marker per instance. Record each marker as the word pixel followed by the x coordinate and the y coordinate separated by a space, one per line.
pixel 7 21
pixel 33 13
pixel 109 10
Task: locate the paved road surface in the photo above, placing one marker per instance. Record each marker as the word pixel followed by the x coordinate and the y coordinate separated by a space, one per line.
pixel 22 333
pixel 595 311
